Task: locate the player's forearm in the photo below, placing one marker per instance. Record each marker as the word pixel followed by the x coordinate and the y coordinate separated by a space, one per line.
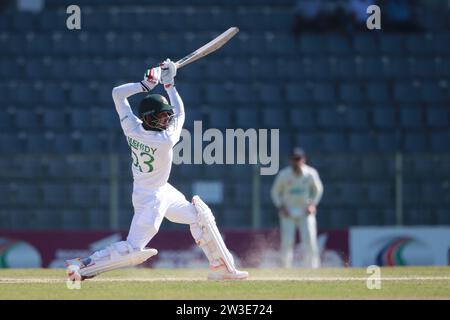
pixel 176 101
pixel 121 93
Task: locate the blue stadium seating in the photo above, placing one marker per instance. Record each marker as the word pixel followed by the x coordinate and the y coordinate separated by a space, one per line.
pixel 247 118
pixel 220 118
pixel 369 217
pixel 357 118
pixel 439 141
pixel 324 93
pixel 411 117
pixel 350 101
pixel 339 45
pixel 330 118
pixel 384 118
pixel 365 44
pixel 362 142
pixel 415 142
pixel 297 93
pixel 387 142
pixel 80 119
pixel 274 118
pixel 405 92
pixel 333 142
pixel 431 93
pixel 352 93
pixel 302 118
pixel 392 44
pixel 438 117
pixel 377 92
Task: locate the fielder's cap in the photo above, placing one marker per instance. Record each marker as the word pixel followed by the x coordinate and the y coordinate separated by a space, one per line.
pixel 298 153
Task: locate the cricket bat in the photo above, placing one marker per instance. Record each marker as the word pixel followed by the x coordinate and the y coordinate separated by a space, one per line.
pixel 211 46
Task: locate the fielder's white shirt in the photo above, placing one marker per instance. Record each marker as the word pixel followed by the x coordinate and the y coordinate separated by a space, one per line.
pixel 297 192
pixel 151 151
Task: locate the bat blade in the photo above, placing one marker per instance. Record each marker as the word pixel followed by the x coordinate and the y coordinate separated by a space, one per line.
pixel 211 46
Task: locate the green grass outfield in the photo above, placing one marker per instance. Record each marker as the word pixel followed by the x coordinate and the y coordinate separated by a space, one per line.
pixel 349 283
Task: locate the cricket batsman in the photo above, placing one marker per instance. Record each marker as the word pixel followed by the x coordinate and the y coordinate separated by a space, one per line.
pixel 151 137
pixel 296 192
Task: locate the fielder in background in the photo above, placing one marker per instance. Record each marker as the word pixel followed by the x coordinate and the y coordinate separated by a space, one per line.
pixel 296 193
pixel 151 136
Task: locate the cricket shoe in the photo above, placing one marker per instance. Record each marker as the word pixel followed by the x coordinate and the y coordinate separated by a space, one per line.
pixel 74 267
pixel 221 272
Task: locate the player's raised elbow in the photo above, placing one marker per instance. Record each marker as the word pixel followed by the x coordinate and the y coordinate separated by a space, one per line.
pixel 115 93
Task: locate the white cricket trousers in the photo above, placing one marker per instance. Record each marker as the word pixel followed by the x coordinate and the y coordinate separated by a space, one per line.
pixel 307 226
pixel 151 205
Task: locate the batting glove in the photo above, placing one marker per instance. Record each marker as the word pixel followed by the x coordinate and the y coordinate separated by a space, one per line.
pixel 151 78
pixel 168 73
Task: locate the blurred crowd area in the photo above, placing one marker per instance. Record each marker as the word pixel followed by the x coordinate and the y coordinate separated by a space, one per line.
pixel 354 99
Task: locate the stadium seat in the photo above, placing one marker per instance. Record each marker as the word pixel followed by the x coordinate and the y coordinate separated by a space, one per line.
pixel 410 192
pixel 392 44
pixel 81 95
pixel 415 142
pixel 297 93
pixel 269 94
pixel 302 118
pixel 54 119
pixel 380 195
pixel 334 142
pixel 423 68
pixel 357 118
pixel 216 94
pixel 351 93
pixel 411 118
pixel 98 219
pixel 437 117
pixel 324 93
pixel 62 143
pixel 432 93
pixel 82 195
pixel 330 118
pixel 274 118
pixel 384 118
pixel 342 218
pixel 38 143
pixel 339 45
pixel 365 44
pixel 361 142
pixel 443 216
pixel 419 45
pixel 74 219
pixel 440 141
pixel 377 92
pixel 405 92
pixel 220 118
pixel 6 123
pixel 387 142
pixel 309 141
pixel 11 143
pixel 81 119
pixel 106 119
pixel 54 194
pixel 369 217
pixel 246 118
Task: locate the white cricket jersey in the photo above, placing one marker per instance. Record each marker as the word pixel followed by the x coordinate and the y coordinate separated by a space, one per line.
pixel 296 192
pixel 151 151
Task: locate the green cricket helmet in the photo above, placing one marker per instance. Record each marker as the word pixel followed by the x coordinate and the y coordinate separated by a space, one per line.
pixel 150 109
